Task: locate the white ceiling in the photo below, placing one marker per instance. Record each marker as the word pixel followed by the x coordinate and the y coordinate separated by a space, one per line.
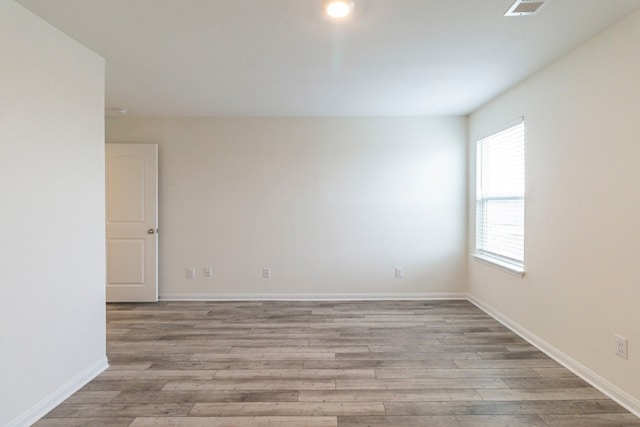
pixel 284 58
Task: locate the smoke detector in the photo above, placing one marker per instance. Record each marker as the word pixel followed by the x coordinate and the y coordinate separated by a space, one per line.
pixel 524 8
pixel 117 111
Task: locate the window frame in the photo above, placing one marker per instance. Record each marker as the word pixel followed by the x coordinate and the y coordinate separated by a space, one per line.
pixel 511 265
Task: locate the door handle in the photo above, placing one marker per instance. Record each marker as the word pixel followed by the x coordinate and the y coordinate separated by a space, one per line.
pixel 151 231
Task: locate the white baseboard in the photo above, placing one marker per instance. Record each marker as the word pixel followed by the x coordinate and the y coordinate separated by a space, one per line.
pixel 41 408
pixel 315 297
pixel 620 396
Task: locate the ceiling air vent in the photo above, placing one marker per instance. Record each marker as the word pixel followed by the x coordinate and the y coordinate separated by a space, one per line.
pixel 524 8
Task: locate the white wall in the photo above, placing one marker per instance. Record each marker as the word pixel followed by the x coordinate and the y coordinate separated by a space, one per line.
pixel 583 206
pixel 331 205
pixel 52 314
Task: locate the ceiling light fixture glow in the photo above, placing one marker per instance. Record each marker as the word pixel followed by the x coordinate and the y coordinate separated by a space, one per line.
pixel 338 8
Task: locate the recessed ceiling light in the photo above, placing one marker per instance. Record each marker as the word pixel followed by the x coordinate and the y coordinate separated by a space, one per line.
pixel 338 8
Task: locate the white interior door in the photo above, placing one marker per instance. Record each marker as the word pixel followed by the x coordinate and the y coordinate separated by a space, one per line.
pixel 132 222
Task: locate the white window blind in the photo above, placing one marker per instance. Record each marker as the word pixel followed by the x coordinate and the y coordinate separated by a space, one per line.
pixel 500 195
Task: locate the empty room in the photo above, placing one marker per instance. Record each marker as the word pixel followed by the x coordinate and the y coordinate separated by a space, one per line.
pixel 320 213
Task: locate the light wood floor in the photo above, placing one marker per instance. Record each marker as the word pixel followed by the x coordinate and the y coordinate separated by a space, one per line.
pixel 322 364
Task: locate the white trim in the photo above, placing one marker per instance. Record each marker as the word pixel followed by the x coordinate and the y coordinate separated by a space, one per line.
pixel 507 266
pixel 315 297
pixel 58 396
pixel 618 395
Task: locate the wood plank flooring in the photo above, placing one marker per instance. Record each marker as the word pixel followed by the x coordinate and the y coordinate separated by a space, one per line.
pixel 327 364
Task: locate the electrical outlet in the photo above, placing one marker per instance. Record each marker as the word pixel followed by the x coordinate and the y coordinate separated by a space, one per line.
pixel 398 272
pixel 266 273
pixel 191 273
pixel 208 272
pixel 620 346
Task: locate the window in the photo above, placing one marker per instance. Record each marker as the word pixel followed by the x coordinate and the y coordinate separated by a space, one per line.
pixel 500 198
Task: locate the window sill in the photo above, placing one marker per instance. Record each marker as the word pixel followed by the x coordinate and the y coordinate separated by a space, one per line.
pixel 515 269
